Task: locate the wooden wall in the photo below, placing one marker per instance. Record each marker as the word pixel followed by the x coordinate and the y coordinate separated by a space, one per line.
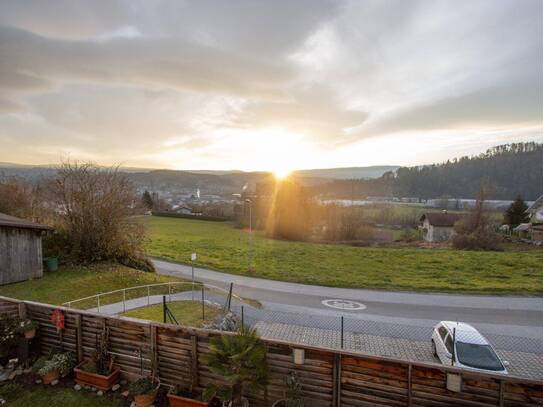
pixel 328 377
pixel 20 254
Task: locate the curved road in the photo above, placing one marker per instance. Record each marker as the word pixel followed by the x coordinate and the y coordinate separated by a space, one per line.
pixel 518 316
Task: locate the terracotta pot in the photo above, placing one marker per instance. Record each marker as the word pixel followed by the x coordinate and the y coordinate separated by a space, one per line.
pixel 104 383
pixel 145 400
pixel 50 377
pixel 180 401
pixel 30 334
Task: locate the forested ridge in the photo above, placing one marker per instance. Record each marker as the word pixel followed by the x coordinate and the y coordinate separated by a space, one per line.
pixel 511 169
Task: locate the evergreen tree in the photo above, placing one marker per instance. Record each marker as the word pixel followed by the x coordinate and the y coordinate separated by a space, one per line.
pixel 147 200
pixel 516 214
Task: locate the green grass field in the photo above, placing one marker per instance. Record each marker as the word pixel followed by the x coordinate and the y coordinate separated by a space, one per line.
pixel 222 247
pixel 18 395
pixel 187 313
pixel 73 282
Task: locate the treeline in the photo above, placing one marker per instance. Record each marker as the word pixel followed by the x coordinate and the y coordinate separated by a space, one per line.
pixel 511 169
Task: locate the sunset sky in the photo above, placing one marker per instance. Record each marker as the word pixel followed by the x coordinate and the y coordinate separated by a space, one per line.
pixel 267 85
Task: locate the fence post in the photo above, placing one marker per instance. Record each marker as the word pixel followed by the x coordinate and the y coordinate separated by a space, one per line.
pixel 194 360
pixel 203 305
pixel 342 332
pixel 154 351
pixel 242 317
pixel 98 301
pixel 78 338
pixel 409 384
pixel 164 308
pixel 334 381
pixel 22 310
pixel 148 295
pixel 124 299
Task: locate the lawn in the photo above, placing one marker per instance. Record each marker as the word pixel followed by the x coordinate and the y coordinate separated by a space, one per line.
pixel 188 313
pixel 20 395
pixel 222 247
pixel 72 282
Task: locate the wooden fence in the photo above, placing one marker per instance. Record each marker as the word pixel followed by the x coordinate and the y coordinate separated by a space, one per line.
pixel 329 377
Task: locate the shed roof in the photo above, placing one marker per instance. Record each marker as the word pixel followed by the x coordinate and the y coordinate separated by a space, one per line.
pixel 441 219
pixel 13 222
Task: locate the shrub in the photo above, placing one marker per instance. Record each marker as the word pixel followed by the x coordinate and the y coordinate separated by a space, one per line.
pixel 27 325
pixel 8 337
pixel 240 360
pixel 96 220
pixel 61 362
pixel 143 385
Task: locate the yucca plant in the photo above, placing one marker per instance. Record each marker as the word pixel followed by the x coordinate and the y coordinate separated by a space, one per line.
pixel 240 360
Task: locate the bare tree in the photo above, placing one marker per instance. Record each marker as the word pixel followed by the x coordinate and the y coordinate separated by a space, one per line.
pixel 16 198
pixel 95 209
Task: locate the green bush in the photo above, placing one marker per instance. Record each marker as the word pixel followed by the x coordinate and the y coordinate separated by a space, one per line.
pixel 144 385
pixel 240 360
pixel 61 362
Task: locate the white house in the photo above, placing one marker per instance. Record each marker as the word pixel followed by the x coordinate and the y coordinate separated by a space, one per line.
pixel 536 219
pixel 438 226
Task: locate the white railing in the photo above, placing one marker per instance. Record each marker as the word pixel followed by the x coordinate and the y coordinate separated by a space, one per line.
pixel 97 299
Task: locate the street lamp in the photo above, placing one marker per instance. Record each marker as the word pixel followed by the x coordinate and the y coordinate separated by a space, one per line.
pixel 248 201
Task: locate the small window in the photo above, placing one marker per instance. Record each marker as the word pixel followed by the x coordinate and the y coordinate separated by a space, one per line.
pixel 442 332
pixel 449 344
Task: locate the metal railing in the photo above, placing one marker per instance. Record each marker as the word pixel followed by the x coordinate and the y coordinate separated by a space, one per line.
pixel 124 295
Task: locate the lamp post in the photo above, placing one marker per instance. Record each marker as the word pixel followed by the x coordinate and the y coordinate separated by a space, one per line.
pixel 248 201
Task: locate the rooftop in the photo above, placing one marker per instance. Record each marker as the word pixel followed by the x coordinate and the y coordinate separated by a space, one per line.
pixel 13 222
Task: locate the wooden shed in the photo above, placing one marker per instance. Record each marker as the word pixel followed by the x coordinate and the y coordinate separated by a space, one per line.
pixel 20 249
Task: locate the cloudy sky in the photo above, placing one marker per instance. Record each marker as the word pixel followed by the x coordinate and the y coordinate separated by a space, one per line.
pixel 267 85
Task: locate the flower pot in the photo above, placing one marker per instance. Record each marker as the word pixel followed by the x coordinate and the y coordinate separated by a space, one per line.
pixel 146 400
pixel 30 334
pixel 104 383
pixel 180 401
pixel 50 377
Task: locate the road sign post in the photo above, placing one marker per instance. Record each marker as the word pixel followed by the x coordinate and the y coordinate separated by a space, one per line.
pixel 193 259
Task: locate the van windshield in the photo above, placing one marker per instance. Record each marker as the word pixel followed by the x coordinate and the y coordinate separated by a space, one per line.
pixel 478 356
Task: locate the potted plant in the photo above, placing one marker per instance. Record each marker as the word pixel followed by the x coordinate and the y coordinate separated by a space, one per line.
pixel 53 366
pixel 293 394
pixel 28 328
pixel 144 391
pixel 8 338
pixel 99 371
pixel 179 396
pixel 240 360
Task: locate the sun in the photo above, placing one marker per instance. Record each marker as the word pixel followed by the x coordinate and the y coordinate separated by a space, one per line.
pixel 281 173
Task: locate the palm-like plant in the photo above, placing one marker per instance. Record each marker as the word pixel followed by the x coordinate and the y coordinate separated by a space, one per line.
pixel 240 360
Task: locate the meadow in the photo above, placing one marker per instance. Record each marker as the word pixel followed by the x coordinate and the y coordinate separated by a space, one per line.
pixel 222 247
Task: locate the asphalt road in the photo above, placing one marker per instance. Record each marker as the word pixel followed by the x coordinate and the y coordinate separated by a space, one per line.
pixel 501 315
pixel 397 324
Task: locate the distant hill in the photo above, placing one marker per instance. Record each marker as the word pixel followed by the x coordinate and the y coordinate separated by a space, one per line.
pixel 511 170
pixel 348 172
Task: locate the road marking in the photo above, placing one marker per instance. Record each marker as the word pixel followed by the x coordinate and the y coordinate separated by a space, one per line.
pixel 346 305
